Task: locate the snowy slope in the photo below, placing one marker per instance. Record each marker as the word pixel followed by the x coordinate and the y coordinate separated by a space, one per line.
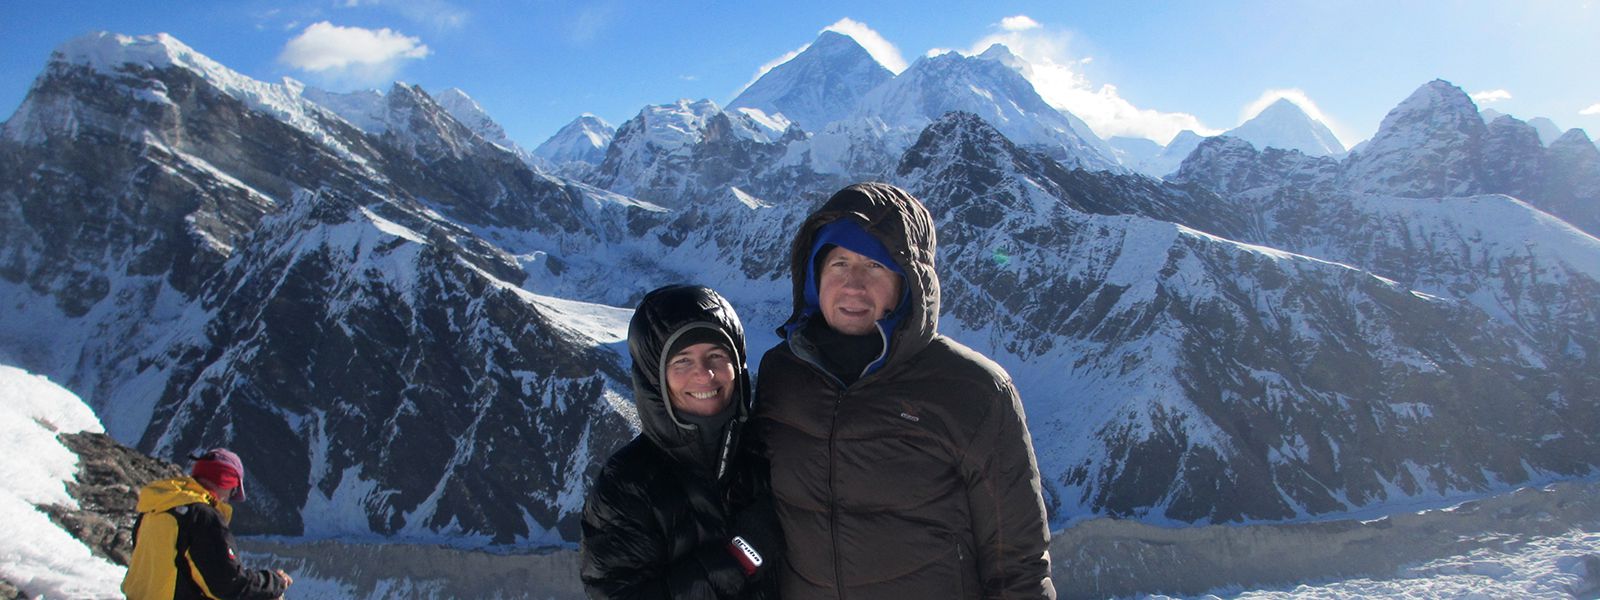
pixel 36 555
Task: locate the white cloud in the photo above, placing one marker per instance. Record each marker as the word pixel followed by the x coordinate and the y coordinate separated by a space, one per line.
pixel 1487 96
pixel 1058 77
pixel 362 56
pixel 1019 23
pixel 880 49
pixel 1594 109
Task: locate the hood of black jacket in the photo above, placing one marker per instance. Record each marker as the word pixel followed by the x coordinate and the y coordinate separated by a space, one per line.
pixel 663 315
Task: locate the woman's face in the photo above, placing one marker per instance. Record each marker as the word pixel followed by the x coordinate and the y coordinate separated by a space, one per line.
pixel 700 379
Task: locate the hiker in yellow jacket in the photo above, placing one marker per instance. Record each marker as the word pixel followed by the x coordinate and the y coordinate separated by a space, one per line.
pixel 181 544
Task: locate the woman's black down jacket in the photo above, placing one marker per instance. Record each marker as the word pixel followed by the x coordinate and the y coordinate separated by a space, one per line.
pixel 655 523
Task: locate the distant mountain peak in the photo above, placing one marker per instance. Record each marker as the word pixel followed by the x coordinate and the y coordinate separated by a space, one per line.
pixel 583 140
pixel 820 85
pixel 1284 124
pixel 110 50
pixel 995 91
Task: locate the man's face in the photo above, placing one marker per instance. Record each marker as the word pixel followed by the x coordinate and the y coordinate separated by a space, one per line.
pixel 855 291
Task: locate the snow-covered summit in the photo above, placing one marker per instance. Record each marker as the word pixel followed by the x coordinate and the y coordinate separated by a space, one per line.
pixel 1165 161
pixel 993 90
pixel 818 86
pixel 128 61
pixel 1283 124
pixel 110 52
pixel 583 140
pixel 470 113
pixel 1428 146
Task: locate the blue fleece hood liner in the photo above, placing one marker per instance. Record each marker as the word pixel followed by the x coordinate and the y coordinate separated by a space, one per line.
pixel 847 234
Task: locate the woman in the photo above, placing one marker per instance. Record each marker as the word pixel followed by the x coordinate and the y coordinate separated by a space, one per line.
pixel 677 513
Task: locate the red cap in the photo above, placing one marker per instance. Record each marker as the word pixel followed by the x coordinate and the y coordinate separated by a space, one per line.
pixel 222 467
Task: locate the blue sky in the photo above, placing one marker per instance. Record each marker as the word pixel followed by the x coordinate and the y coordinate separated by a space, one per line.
pixel 1135 67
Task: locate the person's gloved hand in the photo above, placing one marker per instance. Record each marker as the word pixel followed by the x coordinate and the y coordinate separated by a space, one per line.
pixel 755 543
pixel 757 537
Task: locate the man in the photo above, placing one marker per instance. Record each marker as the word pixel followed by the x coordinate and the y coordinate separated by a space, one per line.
pixel 182 547
pixel 900 460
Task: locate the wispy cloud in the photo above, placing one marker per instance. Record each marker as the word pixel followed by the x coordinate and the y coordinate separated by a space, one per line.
pixel 881 50
pixel 351 55
pixel 1594 109
pixel 1487 96
pixel 437 14
pixel 1019 23
pixel 590 21
pixel 1058 77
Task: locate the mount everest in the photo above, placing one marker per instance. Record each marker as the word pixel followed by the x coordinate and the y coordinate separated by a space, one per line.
pixel 412 328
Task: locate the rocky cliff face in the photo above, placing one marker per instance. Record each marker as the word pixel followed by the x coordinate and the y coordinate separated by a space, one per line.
pixel 107 490
pixel 294 297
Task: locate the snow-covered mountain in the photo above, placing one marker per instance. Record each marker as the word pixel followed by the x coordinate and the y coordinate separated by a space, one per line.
pixel 1283 124
pixel 296 297
pixel 990 86
pixel 653 154
pixel 1430 145
pixel 1132 151
pixel 1548 130
pixel 1170 373
pixel 468 112
pixel 393 312
pixel 820 85
pixel 578 147
pixel 1435 144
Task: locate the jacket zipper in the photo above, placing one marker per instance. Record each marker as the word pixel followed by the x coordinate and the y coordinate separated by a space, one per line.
pixel 833 509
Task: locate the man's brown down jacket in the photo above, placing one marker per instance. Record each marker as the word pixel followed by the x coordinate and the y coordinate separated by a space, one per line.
pixel 918 480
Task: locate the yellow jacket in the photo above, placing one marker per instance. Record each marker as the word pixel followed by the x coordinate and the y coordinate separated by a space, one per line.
pixel 182 548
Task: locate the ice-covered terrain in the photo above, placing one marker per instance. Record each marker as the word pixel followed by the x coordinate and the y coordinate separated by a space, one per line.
pixel 37 556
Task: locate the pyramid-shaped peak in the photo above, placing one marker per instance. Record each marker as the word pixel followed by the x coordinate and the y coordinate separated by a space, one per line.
pixel 832 47
pixel 998 51
pixel 1284 124
pixel 1573 137
pixel 830 39
pixel 1438 93
pixel 818 86
pixel 1284 105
